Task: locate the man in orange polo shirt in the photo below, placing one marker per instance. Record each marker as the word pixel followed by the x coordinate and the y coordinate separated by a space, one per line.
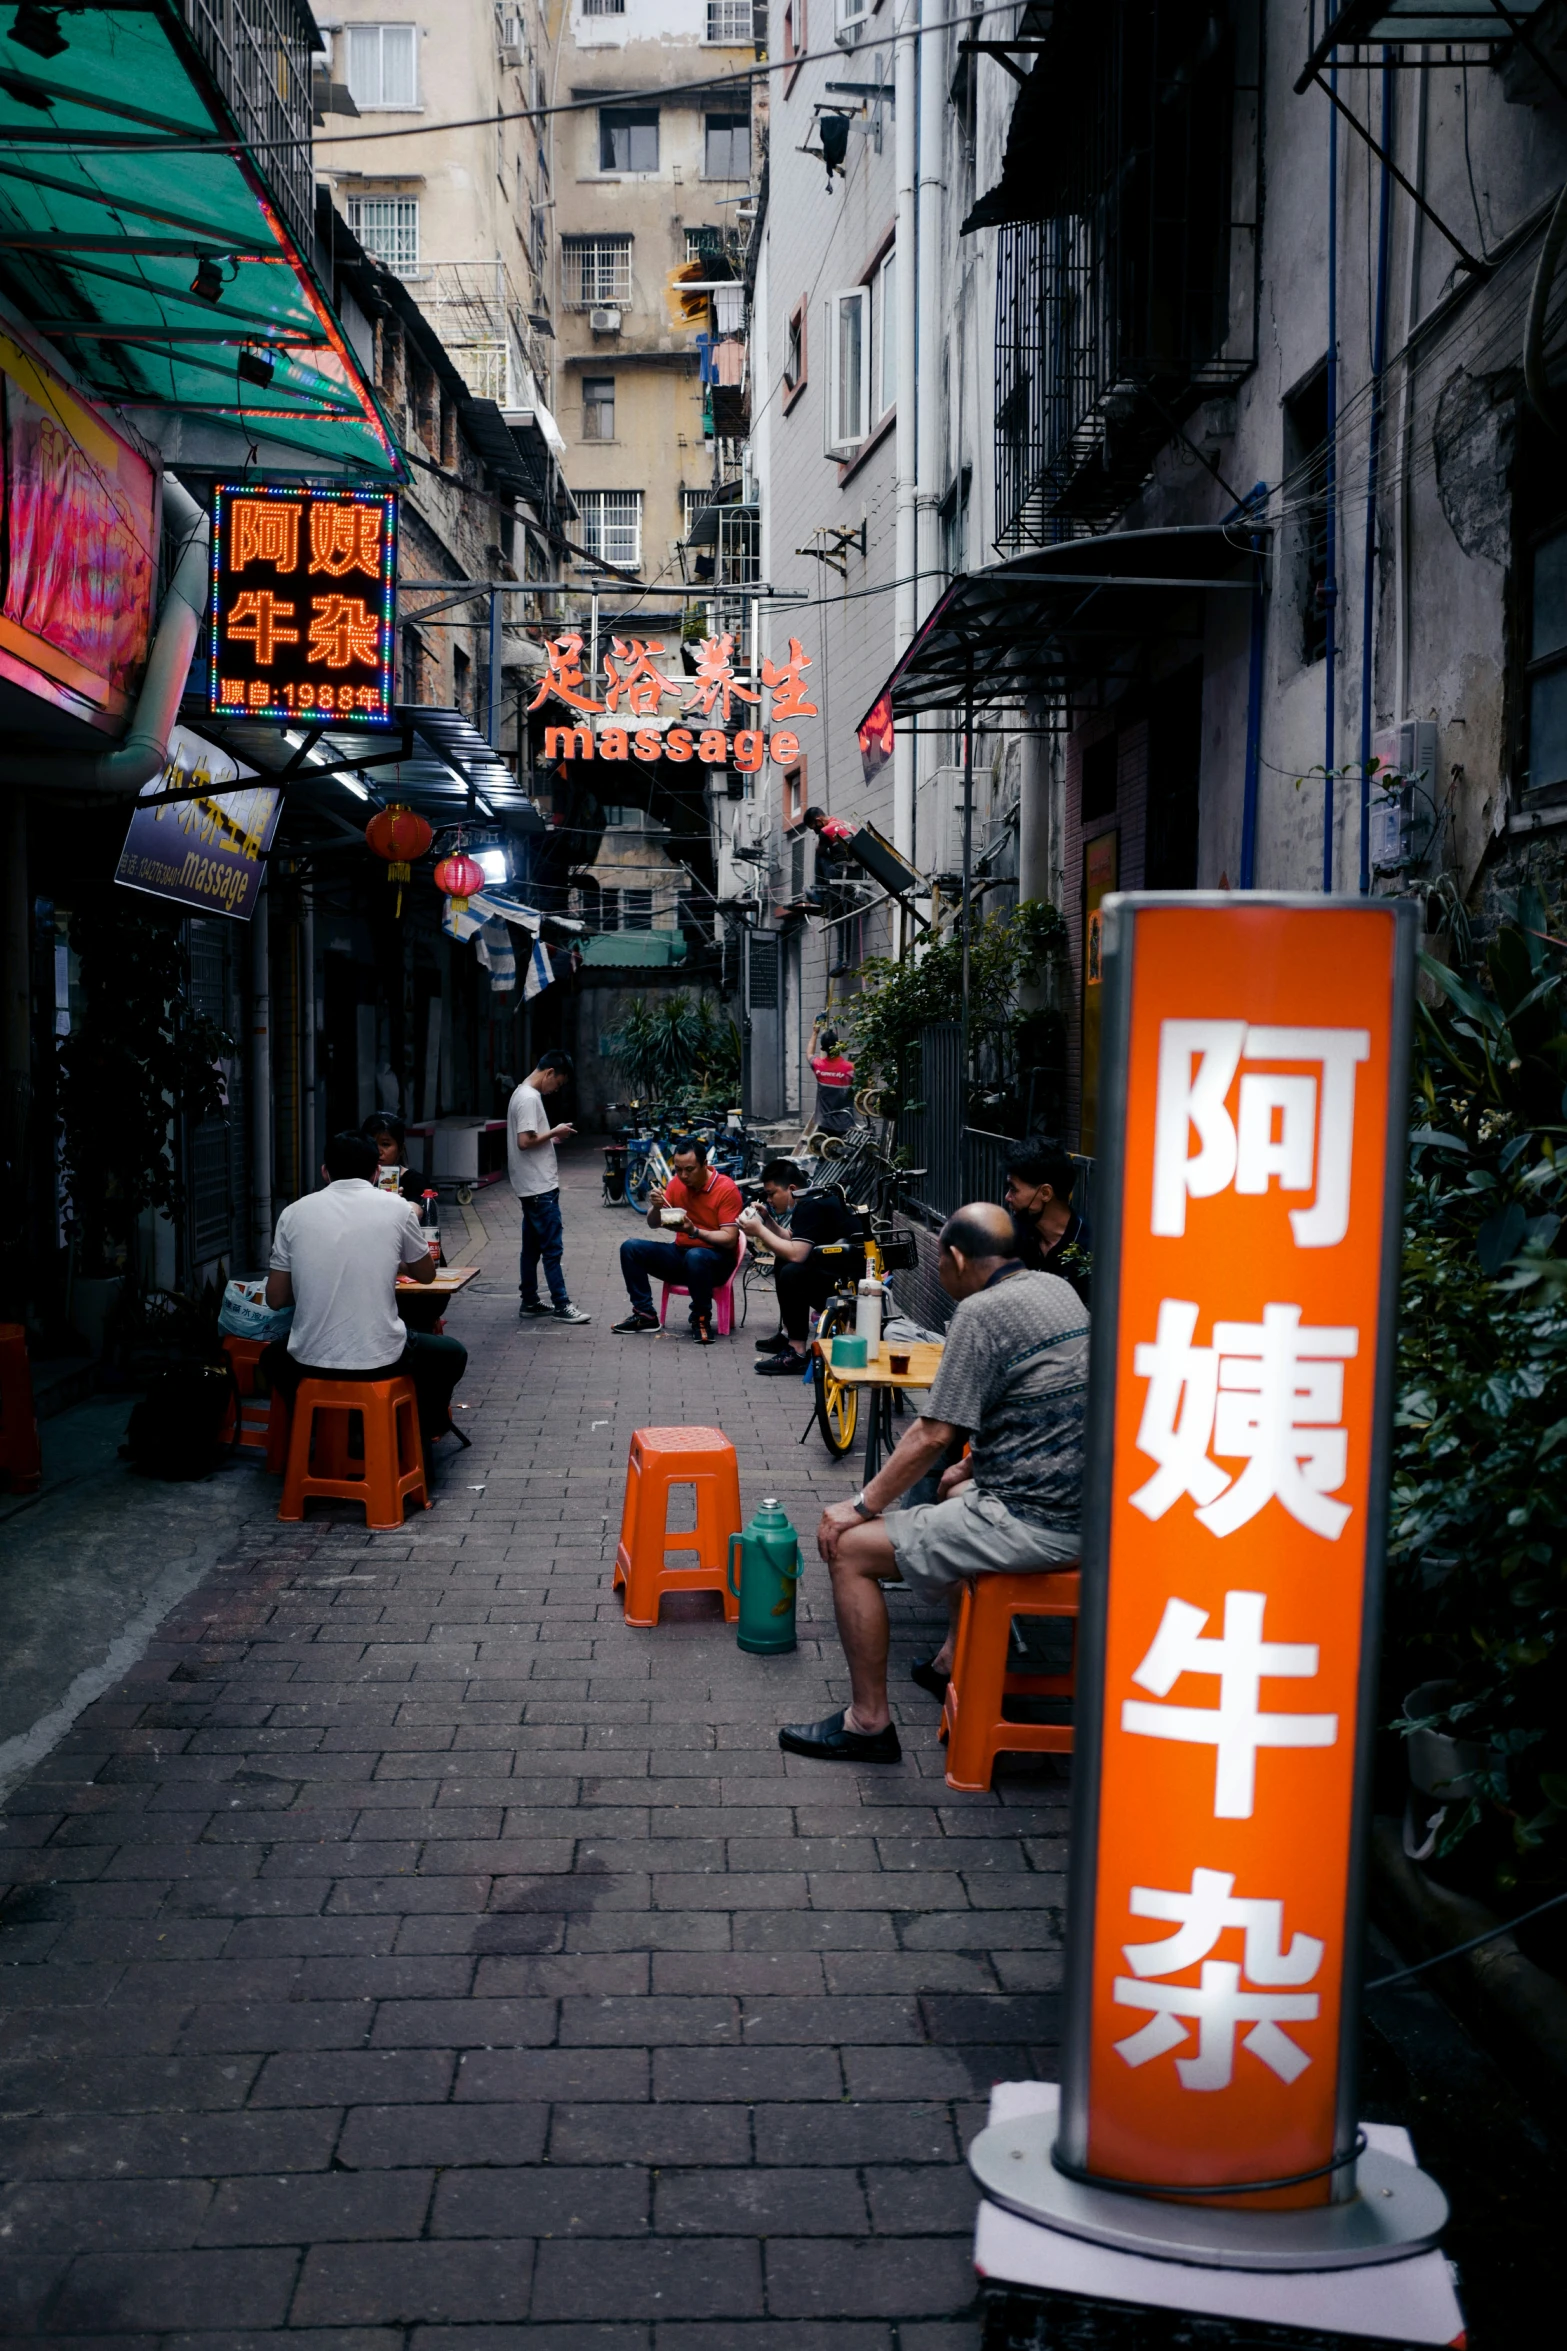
pixel 698 1210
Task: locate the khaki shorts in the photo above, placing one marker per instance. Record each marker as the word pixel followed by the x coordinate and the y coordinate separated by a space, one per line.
pixel 939 1545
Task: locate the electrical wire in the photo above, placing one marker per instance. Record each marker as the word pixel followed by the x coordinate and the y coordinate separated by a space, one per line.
pixel 740 78
pixel 1401 1975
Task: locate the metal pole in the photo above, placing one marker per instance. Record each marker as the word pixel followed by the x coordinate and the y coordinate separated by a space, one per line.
pixel 1330 503
pixel 261 1082
pixel 968 875
pixel 309 1154
pixel 494 728
pixel 593 645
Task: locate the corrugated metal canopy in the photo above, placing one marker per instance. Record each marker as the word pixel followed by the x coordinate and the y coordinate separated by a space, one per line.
pixel 434 759
pixel 109 205
pixel 1459 24
pixel 1051 624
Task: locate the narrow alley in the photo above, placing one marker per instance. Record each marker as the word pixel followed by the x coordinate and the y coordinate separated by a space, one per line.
pixel 403 1942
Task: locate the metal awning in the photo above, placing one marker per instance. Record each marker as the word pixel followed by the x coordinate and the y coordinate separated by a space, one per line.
pixel 1058 624
pixel 132 163
pixel 433 759
pixel 1358 31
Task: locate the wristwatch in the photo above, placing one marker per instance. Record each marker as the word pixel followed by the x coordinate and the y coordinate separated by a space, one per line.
pixel 863 1507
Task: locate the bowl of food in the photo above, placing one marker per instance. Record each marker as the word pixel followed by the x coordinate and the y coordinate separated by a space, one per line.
pixel 672 1216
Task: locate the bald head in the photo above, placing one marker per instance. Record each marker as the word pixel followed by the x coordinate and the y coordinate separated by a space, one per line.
pixel 974 1242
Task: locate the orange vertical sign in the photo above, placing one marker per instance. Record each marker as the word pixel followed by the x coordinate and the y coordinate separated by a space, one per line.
pixel 1247 1221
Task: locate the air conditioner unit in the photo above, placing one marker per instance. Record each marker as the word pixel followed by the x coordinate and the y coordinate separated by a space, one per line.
pixel 1404 806
pixel 512 53
pixel 940 851
pixel 604 322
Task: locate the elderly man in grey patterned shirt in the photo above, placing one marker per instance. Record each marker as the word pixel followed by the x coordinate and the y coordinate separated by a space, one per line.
pixel 1014 1381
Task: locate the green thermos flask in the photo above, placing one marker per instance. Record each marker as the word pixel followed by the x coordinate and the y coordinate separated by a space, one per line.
pixel 769 1577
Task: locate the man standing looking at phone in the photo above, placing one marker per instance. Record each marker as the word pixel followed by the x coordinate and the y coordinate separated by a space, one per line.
pixel 699 1211
pixel 530 1163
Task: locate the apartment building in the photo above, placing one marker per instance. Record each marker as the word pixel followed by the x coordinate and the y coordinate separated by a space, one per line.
pixel 458 218
pixel 652 170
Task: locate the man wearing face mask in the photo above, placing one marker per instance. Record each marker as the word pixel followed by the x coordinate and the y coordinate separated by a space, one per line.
pixel 1051 1238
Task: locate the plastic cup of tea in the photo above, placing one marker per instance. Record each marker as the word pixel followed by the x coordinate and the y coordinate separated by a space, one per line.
pixel 898 1365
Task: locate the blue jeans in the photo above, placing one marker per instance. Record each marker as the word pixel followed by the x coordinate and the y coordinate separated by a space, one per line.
pixel 541 1238
pixel 699 1270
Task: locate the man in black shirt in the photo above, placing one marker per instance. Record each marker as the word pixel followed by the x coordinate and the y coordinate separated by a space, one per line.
pixel 1051 1238
pixel 820 1252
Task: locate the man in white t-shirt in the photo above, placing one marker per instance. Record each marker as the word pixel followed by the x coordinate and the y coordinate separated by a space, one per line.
pixel 530 1163
pixel 336 1256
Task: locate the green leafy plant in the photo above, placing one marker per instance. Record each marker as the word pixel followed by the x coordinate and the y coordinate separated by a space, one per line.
pixel 138 1061
pixel 1006 952
pixel 676 1047
pixel 1478 1557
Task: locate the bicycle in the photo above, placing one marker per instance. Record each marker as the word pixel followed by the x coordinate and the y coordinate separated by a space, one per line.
pixel 887 1249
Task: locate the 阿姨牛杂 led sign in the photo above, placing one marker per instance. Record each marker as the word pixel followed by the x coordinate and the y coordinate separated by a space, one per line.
pixel 300 621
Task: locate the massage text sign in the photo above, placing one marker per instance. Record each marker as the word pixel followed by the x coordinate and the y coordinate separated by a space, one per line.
pixel 300 623
pixel 715 701
pixel 1252 1117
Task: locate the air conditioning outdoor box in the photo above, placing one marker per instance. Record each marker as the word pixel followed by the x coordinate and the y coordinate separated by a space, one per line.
pixel 604 322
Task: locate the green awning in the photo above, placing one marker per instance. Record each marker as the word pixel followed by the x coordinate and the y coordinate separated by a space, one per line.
pixel 111 202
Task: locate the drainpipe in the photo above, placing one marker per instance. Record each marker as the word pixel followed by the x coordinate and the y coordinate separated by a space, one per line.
pixel 1373 464
pixel 1330 496
pixel 1405 422
pixel 144 749
pixel 261 1081
pixel 905 85
pixel 309 1150
pixel 1250 789
pixel 932 122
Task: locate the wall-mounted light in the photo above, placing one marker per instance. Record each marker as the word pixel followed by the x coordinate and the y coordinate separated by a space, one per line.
pixel 207 284
pixel 255 367
pixel 495 864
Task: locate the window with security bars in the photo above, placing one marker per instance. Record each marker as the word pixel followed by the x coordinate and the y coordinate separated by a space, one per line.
pixel 701 244
pixel 597 271
pixel 612 526
pixel 383 65
pixel 388 228
pixel 603 7
pixel 731 21
pixel 691 505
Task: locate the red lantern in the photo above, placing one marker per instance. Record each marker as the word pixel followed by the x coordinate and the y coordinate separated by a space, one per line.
pixel 399 836
pixel 459 877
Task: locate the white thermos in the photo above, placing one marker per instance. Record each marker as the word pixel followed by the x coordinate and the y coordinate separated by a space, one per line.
pixel 867 1317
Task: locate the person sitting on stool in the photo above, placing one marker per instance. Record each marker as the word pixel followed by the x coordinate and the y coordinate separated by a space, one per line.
pixel 336 1256
pixel 819 1252
pixel 702 1209
pixel 1013 1377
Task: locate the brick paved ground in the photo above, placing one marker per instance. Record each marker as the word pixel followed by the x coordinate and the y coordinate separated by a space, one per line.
pixel 405 1952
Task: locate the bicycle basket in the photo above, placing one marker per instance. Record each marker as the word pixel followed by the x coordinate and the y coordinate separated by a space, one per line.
pixel 898 1252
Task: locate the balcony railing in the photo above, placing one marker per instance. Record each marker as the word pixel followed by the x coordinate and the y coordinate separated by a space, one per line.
pixel 258 52
pixel 1129 300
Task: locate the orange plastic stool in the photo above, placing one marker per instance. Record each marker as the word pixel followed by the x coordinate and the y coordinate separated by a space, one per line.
pixel 661 1458
pixel 972 1721
pixel 252 1409
pixel 319 1461
pixel 21 1463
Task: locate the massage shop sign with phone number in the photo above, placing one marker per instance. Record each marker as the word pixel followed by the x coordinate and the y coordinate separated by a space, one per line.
pixel 1253 1092
pixel 300 616
pixel 722 706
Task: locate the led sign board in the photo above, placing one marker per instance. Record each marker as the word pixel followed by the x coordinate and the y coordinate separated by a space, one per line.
pixel 300 623
pixel 722 706
pixel 1252 1115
